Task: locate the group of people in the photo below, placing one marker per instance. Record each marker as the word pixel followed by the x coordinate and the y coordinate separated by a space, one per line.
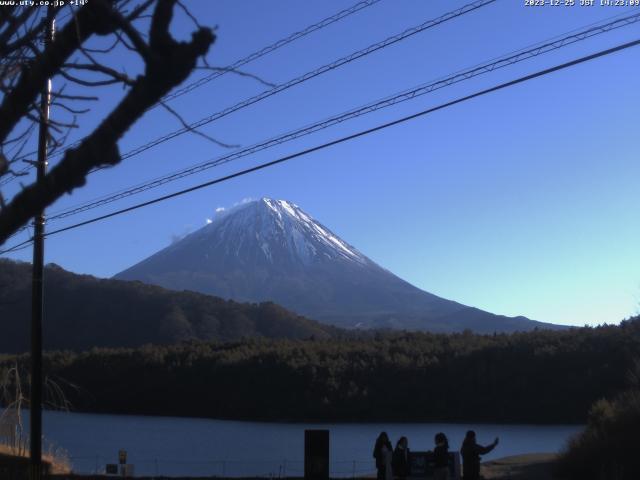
pixel 394 462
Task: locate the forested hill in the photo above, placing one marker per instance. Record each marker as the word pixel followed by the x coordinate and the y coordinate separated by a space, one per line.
pixel 83 311
pixel 540 376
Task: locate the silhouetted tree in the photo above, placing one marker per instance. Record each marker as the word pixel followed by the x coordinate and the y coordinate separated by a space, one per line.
pixel 436 377
pixel 25 66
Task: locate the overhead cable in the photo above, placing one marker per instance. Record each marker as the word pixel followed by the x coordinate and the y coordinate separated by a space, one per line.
pixel 234 66
pixel 344 139
pixel 293 82
pixel 311 74
pixel 361 133
pixel 354 113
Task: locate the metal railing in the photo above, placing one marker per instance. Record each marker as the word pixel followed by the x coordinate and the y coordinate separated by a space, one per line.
pixel 282 468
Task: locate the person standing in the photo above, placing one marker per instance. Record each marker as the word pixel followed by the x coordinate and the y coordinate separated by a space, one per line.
pixel 400 459
pixel 382 452
pixel 441 457
pixel 471 452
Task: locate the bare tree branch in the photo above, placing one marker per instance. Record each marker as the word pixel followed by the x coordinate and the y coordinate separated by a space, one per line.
pixel 96 67
pixel 167 63
pixel 237 72
pixel 89 83
pixel 189 14
pixel 69 109
pixel 93 18
pixel 186 125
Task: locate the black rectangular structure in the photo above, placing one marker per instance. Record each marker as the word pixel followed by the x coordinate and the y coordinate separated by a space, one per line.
pixel 316 454
pixel 422 465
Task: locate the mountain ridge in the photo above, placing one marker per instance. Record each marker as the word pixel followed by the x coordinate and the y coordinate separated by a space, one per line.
pixel 83 312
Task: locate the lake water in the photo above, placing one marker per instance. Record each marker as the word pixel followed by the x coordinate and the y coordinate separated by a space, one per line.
pixel 200 447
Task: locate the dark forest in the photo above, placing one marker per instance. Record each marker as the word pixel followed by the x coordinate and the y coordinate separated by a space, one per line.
pixel 535 377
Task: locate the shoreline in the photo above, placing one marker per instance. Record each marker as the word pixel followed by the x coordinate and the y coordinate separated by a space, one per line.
pixel 322 422
pixel 528 466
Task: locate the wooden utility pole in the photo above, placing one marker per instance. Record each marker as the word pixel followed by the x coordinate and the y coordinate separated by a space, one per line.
pixel 37 290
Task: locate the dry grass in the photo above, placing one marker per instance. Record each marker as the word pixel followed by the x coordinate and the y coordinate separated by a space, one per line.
pixel 58 459
pixel 535 466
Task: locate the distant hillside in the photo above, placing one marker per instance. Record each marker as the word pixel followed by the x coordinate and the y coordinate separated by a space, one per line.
pixel 83 311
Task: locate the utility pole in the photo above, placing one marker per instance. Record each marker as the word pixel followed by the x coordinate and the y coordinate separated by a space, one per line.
pixel 37 289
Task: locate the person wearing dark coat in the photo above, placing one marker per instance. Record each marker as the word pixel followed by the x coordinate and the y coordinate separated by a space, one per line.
pixel 382 452
pixel 471 452
pixel 400 459
pixel 441 457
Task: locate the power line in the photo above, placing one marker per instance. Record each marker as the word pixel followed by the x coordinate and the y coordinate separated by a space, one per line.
pixel 234 66
pixel 300 79
pixel 311 74
pixel 501 86
pixel 424 89
pixel 361 133
pixel 19 246
pixel 274 46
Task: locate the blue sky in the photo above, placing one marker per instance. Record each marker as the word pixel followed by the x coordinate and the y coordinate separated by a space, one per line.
pixel 522 202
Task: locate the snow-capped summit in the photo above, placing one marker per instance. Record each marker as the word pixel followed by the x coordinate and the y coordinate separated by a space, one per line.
pixel 260 232
pixel 306 236
pixel 271 250
pixel 280 228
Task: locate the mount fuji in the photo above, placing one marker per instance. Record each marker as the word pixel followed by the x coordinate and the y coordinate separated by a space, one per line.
pixel 271 250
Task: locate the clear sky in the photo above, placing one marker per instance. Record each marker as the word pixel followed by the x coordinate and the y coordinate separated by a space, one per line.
pixel 522 202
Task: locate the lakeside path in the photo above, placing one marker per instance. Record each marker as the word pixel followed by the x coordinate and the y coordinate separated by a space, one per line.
pixel 532 466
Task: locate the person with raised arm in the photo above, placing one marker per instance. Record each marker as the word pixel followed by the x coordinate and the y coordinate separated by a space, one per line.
pixel 471 452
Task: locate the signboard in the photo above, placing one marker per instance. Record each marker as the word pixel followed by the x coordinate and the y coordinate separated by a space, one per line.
pixel 455 471
pixel 127 470
pixel 422 465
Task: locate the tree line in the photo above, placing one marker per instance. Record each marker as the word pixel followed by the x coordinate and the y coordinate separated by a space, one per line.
pixel 535 377
pixel 83 311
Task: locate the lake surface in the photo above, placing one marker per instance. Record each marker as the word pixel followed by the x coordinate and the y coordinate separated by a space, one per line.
pixel 192 446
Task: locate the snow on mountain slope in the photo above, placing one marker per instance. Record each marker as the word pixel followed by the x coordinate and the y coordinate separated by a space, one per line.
pixel 277 230
pixel 272 250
